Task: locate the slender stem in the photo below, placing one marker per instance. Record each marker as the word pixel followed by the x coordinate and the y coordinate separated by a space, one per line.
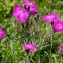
pixel 29 58
pixel 12 49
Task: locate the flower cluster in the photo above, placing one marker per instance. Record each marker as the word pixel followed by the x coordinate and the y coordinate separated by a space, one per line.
pixel 53 18
pixel 20 13
pixel 57 24
pixel 23 13
pixel 31 9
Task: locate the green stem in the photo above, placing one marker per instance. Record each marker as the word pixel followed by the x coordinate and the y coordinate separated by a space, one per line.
pixel 12 49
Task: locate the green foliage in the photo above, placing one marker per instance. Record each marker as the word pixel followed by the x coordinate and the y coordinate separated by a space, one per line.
pixel 11 50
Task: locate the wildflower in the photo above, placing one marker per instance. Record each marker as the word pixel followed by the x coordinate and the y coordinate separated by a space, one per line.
pixel 17 5
pixel 50 17
pixel 23 15
pixel 2 33
pixel 33 12
pixel 60 48
pixel 29 4
pixel 58 26
pixel 29 47
pixel 16 12
pixel 20 13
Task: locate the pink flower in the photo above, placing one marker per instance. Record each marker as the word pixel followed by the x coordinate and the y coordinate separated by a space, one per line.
pixel 29 4
pixel 16 12
pixel 60 48
pixel 33 12
pixel 23 15
pixel 20 13
pixel 50 17
pixel 2 33
pixel 29 47
pixel 17 5
pixel 58 26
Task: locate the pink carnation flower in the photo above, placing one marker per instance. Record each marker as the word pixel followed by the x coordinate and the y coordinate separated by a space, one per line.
pixel 33 12
pixel 20 13
pixel 29 47
pixel 50 17
pixel 29 4
pixel 2 33
pixel 58 26
pixel 16 12
pixel 60 48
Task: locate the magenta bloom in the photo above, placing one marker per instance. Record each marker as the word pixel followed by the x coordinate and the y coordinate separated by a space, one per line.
pixel 33 12
pixel 29 4
pixel 2 33
pixel 50 17
pixel 60 48
pixel 17 5
pixel 20 13
pixel 58 26
pixel 16 12
pixel 29 47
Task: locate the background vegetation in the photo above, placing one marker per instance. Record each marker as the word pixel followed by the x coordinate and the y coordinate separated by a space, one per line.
pixel 11 50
